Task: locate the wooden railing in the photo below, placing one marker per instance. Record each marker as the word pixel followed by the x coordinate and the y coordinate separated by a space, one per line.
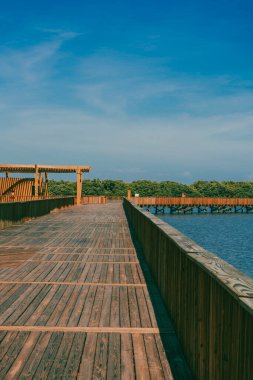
pixel 99 199
pixel 20 186
pixel 25 198
pixel 84 200
pixel 177 201
pixel 93 200
pixel 114 198
pixel 210 302
pixel 13 212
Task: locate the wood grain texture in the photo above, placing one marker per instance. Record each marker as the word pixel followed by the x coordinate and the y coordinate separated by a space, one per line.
pixel 210 302
pixel 74 303
pixel 189 201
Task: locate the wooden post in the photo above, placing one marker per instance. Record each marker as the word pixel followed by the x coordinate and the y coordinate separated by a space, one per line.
pixel 78 186
pixel 128 194
pixel 36 180
pixel 7 174
pixel 46 184
pixel 40 183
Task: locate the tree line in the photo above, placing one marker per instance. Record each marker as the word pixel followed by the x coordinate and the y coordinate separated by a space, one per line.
pixel 145 188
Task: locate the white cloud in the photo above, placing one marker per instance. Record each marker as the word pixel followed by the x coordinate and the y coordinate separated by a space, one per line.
pixel 129 114
pixel 33 64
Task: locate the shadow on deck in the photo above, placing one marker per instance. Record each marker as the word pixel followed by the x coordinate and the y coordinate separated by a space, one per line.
pixel 174 353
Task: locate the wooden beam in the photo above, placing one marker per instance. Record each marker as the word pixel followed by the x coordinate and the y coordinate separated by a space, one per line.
pixel 43 168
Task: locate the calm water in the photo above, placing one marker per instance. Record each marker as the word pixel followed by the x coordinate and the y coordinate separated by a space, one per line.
pixel 228 236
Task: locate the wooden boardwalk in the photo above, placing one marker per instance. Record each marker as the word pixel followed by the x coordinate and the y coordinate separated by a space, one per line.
pixel 75 303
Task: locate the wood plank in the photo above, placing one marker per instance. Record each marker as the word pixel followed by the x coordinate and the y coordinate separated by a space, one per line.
pixel 79 306
pixel 84 319
pixel 72 365
pixel 127 358
pixel 144 312
pixel 20 304
pixel 134 285
pixel 124 307
pixel 47 360
pixel 79 299
pixel 133 308
pixel 86 261
pixel 13 292
pixel 41 308
pixel 24 354
pixel 36 302
pixel 100 362
pixel 88 358
pixel 43 318
pixel 153 358
pixel 140 357
pixel 114 357
pixel 12 352
pixel 31 363
pixel 61 305
pixel 97 308
pixel 7 340
pixel 115 307
pixel 106 307
pixel 88 329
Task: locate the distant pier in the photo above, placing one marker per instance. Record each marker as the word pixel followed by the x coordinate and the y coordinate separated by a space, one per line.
pixel 185 205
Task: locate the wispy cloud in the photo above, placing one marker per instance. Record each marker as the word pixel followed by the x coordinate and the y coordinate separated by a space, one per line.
pixel 133 85
pixel 131 114
pixel 32 64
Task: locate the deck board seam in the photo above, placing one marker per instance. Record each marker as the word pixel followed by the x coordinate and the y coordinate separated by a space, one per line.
pixel 81 261
pixel 88 329
pixel 73 283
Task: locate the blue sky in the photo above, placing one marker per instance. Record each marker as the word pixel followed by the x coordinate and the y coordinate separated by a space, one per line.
pixel 158 90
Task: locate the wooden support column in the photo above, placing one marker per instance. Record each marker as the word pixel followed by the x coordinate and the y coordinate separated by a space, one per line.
pixel 7 174
pixel 36 181
pixel 46 184
pixel 40 183
pixel 78 185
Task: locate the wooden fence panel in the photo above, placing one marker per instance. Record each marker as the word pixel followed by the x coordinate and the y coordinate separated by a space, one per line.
pixel 93 200
pixel 210 302
pixel 14 212
pixel 188 201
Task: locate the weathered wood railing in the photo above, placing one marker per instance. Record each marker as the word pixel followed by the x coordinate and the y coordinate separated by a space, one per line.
pixel 93 200
pixel 26 198
pixel 19 211
pixel 99 199
pixel 210 302
pixel 114 198
pixel 178 201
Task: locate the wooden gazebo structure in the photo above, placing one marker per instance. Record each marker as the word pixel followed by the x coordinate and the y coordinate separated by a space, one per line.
pixel 38 171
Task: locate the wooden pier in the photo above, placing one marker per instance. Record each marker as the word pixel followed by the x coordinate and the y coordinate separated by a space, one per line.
pixel 189 205
pixel 78 302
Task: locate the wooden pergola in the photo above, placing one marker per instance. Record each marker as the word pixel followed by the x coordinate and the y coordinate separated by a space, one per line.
pixel 38 171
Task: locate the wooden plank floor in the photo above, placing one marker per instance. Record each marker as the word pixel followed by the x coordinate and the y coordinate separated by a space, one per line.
pixel 75 302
